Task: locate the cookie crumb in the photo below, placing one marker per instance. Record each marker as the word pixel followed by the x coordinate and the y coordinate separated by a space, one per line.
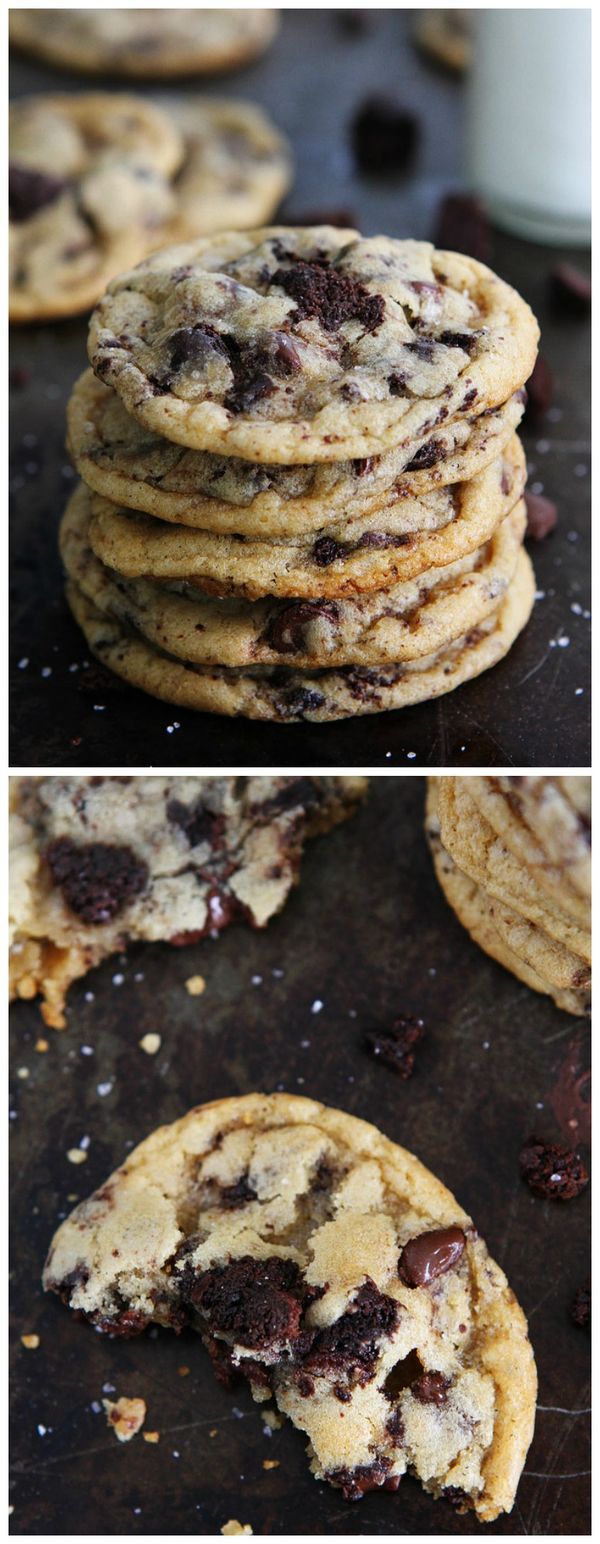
pixel 30 1342
pixel 77 1155
pixel 195 985
pixel 214 1432
pixel 151 1436
pixel 126 1416
pixel 234 1527
pixel 271 1463
pixel 272 1419
pixel 42 1045
pixel 552 1172
pixel 150 1043
pixel 183 1371
pixel 396 1045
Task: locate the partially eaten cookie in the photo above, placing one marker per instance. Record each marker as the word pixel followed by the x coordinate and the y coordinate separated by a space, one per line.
pixel 336 1273
pixel 99 862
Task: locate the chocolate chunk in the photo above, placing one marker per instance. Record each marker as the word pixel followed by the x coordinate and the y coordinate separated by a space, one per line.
pixel 581 1306
pixel 351 1344
pixel 354 1483
pixel 426 456
pixel 259 1302
pixel 286 631
pixel 470 397
pixel 230 1197
pixel 542 516
pixel 300 700
pixel 384 136
pixel 430 1255
pixel 571 289
pixel 125 1325
pixel 326 551
pixel 332 297
pixel 193 345
pixel 29 191
pixel 553 1172
pixel 423 349
pixel 396 383
pixel 382 539
pixel 458 1498
pixel 364 466
pixel 540 391
pixel 198 823
pixel 247 391
pixel 97 880
pixel 431 1388
pixel 396 1045
pixel 467 341
pixel 462 226
pixel 395 1425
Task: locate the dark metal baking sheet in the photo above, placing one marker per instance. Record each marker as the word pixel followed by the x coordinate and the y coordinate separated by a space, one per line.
pixel 532 709
pixel 368 935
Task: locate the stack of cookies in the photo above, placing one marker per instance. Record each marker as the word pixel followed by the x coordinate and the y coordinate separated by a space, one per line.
pixel 302 490
pixel 512 855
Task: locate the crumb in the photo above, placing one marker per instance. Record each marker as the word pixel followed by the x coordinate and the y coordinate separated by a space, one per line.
pixel 42 1045
pixel 384 136
pixel 271 1463
pixel 30 1342
pixel 540 391
pixel 234 1527
pixel 396 1046
pixel 542 516
pixel 581 1306
pixel 462 226
pixel 553 1172
pixel 183 1371
pixel 77 1155
pixel 272 1419
pixel 126 1416
pixel 195 985
pixel 151 1436
pixel 150 1044
pixel 214 1432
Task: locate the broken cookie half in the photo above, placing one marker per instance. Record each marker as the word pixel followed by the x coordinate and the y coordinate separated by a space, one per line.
pixel 100 862
pixel 336 1273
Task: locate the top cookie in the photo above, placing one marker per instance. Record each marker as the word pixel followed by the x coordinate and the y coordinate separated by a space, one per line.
pixel 147 42
pixel 336 1272
pixel 297 345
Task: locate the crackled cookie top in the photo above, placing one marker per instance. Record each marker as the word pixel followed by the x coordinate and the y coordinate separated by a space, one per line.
pixel 146 41
pixel 88 191
pixel 99 861
pixel 337 1274
pixel 118 457
pixel 286 345
pixel 237 166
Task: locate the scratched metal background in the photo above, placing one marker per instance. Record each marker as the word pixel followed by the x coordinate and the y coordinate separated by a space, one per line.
pixel 533 708
pixel 369 935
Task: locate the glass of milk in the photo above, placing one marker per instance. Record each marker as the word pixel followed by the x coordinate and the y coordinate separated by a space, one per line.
pixel 529 121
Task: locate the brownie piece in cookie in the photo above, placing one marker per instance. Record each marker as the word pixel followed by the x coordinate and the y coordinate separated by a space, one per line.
pixel 333 1271
pixel 98 862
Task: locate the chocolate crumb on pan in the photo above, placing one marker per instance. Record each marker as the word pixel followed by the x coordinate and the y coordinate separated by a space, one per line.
pixel 540 390
pixel 555 1173
pixel 542 516
pixel 396 1046
pixel 384 136
pixel 581 1306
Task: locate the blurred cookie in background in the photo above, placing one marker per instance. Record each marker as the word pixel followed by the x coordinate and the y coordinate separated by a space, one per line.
pixel 146 42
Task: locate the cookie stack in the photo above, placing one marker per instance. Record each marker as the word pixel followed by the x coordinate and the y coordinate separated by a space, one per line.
pixel 512 855
pixel 302 488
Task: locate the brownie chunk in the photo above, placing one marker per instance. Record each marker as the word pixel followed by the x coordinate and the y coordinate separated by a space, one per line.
pixel 97 880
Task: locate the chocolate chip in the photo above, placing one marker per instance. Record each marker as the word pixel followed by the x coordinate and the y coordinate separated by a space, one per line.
pixel 193 345
pixel 29 191
pixel 286 631
pixel 542 516
pixel 332 297
pixel 230 1197
pixel 430 1255
pixel 553 1172
pixel 426 456
pixel 396 1045
pixel 462 226
pixel 97 880
pixel 259 1302
pixel 198 823
pixel 396 383
pixel 354 1483
pixel 384 136
pixel 467 341
pixel 571 289
pixel 326 551
pixel 540 391
pixel 431 1388
pixel 364 467
pixel 423 349
pixel 470 397
pixel 298 701
pixel 351 1344
pixel 581 1306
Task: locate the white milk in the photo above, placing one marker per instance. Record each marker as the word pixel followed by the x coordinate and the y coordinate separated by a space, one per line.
pixel 529 121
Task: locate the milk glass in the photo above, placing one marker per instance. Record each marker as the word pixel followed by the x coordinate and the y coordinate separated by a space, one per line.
pixel 529 121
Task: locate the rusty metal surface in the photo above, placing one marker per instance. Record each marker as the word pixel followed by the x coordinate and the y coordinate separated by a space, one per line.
pixel 533 708
pixel 368 935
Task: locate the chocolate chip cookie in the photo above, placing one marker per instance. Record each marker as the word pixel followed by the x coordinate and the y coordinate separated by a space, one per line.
pixel 309 344
pixel 237 166
pixel 323 1263
pixel 89 193
pixel 145 42
pixel 99 862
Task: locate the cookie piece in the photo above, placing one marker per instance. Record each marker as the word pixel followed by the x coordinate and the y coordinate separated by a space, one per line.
pixel 308 344
pixel 406 622
pixel 88 193
pixel 99 862
pixel 289 695
pixel 126 463
pixel 446 36
pixel 522 946
pixel 147 42
pixel 371 553
pixel 237 166
pixel 378 1321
